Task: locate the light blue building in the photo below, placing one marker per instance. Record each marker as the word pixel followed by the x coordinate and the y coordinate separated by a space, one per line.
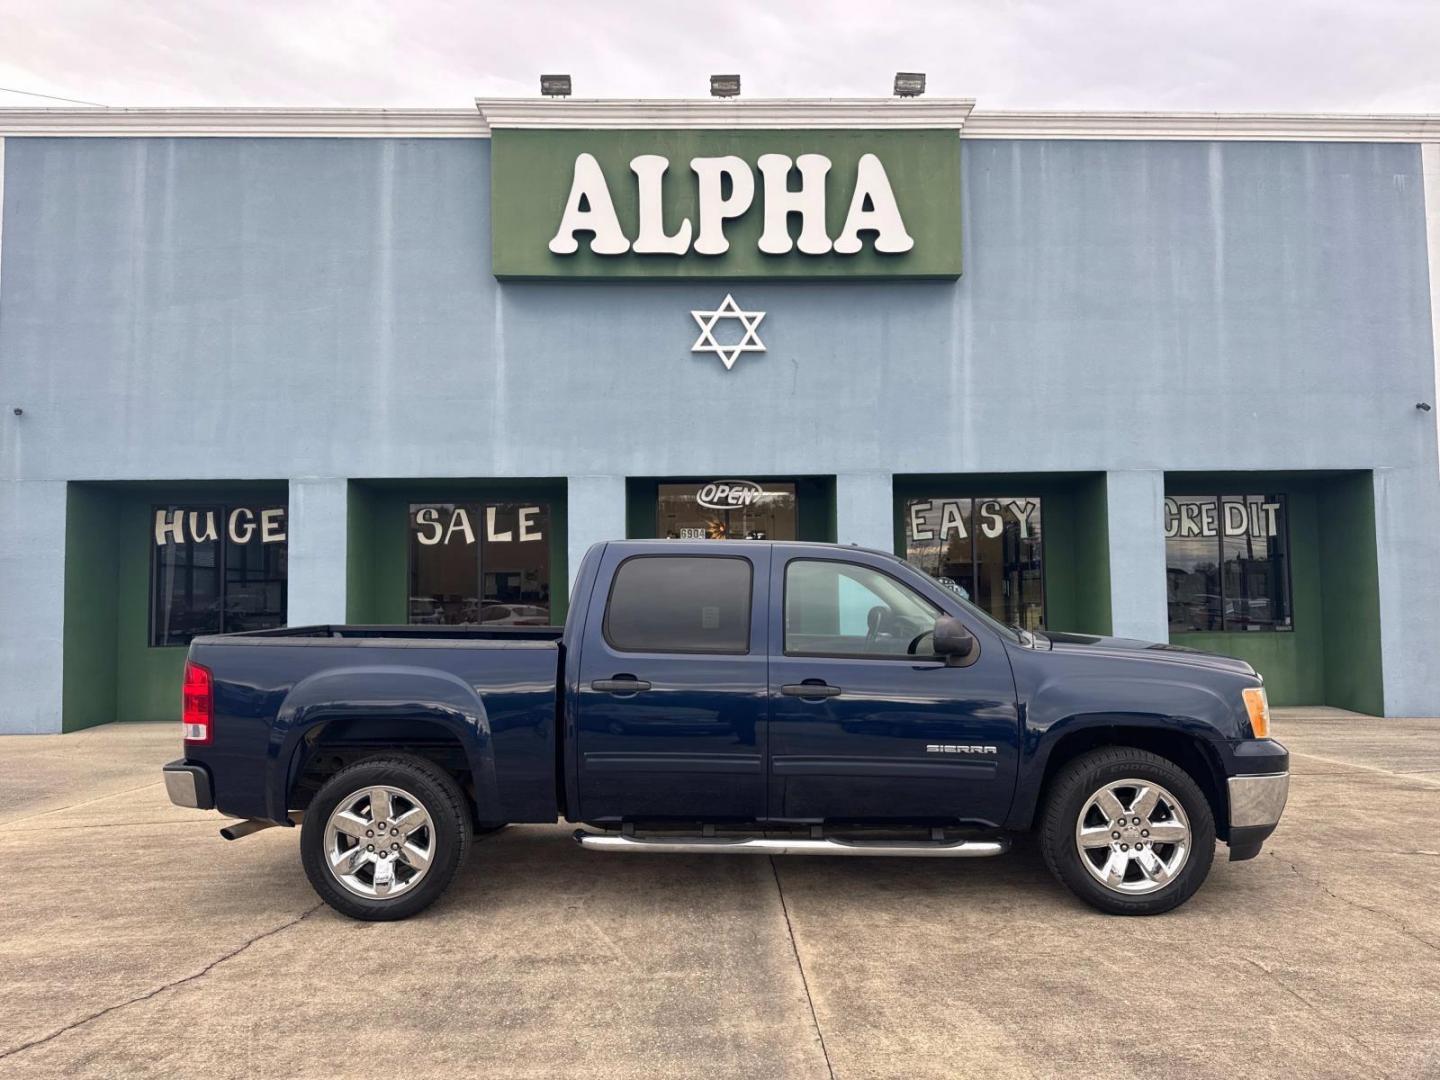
pixel 1164 376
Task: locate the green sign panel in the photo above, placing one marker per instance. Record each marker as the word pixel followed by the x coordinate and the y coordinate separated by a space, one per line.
pixel 725 204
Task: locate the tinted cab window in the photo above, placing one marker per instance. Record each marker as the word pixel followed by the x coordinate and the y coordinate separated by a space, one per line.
pixel 686 604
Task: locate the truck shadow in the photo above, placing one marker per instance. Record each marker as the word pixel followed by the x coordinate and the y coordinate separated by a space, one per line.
pixel 515 865
pixel 520 866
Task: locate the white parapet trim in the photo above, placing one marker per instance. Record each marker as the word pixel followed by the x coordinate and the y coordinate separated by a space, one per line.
pixel 267 123
pixel 956 114
pixel 726 113
pixel 1191 126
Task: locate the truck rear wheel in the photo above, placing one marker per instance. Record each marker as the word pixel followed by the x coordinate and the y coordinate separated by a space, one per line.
pixel 383 838
pixel 1128 831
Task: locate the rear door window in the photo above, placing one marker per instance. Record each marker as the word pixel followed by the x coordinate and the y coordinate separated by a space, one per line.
pixel 680 604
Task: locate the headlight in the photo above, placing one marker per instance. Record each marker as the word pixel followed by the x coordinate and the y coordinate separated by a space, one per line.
pixel 1259 709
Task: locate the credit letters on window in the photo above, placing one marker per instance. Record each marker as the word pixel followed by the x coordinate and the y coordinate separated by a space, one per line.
pixel 216 569
pixel 1227 564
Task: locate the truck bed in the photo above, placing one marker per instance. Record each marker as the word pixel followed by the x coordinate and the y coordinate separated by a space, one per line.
pixel 285 697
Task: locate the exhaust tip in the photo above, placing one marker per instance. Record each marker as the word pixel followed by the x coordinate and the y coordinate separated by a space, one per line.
pixel 237 829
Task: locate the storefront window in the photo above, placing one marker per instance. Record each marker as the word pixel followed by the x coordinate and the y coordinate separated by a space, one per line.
pixel 480 563
pixel 727 510
pixel 1226 562
pixel 215 570
pixel 988 550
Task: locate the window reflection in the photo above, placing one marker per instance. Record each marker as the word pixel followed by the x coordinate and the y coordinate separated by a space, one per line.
pixel 480 563
pixel 216 569
pixel 1226 563
pixel 988 550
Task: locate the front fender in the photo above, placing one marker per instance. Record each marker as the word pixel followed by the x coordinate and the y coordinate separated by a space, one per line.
pixel 387 692
pixel 1078 702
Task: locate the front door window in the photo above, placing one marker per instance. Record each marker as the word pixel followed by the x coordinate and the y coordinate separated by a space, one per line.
pixel 842 609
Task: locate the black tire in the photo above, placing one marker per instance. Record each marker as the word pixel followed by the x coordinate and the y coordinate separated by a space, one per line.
pixel 1073 788
pixel 434 789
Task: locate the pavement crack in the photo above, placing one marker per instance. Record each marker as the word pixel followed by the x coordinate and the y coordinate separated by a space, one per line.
pixel 805 982
pixel 1281 983
pixel 84 802
pixel 161 989
pixel 1368 1051
pixel 1415 777
pixel 1399 925
pixel 131 825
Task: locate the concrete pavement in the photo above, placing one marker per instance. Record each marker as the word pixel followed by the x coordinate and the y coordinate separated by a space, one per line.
pixel 135 942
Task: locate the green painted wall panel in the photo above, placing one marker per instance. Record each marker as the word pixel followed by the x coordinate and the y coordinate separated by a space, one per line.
pixel 89 668
pixel 531 173
pixel 1090 544
pixel 1352 659
pixel 359 553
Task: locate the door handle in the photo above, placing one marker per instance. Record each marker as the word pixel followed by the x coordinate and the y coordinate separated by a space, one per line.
pixel 814 690
pixel 623 684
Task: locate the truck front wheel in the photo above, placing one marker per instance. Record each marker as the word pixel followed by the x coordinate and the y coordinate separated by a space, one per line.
pixel 1128 831
pixel 383 838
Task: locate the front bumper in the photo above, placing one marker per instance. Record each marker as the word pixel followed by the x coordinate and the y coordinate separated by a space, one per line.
pixel 1256 803
pixel 188 784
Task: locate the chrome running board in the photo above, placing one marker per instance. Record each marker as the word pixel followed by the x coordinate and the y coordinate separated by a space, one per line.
pixel 764 845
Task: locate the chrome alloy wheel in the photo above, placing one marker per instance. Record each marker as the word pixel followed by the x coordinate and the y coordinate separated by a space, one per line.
pixel 379 842
pixel 1133 836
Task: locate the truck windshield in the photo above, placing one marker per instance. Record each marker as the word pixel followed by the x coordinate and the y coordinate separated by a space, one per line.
pixel 1014 633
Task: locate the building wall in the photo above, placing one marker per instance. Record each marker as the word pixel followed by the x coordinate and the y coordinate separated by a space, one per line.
pixel 239 308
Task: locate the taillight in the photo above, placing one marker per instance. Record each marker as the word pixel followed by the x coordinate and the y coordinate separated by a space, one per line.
pixel 197 709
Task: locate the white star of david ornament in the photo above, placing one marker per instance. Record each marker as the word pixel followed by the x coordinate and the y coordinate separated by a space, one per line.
pixel 728 309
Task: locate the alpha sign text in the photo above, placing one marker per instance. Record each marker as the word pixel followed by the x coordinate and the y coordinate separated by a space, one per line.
pixel 725 190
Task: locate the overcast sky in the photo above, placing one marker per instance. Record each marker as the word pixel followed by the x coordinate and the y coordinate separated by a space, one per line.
pixel 1285 55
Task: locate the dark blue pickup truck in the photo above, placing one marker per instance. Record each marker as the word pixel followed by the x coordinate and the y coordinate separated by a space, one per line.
pixel 734 696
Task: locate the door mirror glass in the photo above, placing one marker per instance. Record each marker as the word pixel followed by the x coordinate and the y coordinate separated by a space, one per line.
pixel 952 639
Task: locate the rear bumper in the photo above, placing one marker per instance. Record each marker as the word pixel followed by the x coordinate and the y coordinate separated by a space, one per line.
pixel 1256 803
pixel 188 784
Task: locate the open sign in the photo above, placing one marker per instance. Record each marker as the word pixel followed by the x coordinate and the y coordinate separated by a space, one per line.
pixel 729 494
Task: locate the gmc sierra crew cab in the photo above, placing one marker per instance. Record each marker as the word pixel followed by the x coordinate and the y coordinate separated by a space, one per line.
pixel 734 697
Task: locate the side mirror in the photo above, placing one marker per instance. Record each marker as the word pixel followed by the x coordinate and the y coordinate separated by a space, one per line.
pixel 952 639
